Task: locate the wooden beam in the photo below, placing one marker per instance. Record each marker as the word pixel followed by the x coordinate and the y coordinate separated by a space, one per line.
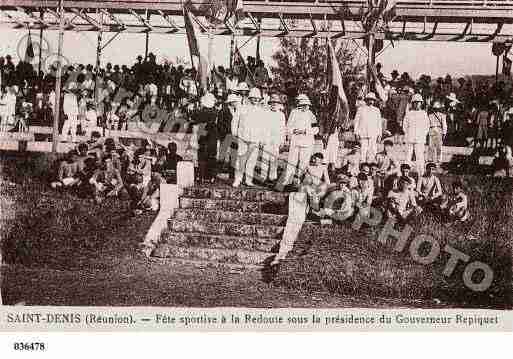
pixel 141 19
pixel 168 19
pixel 89 19
pixel 113 18
pixel 283 24
pixel 254 21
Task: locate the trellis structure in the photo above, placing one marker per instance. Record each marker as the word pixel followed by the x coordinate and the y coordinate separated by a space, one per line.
pixel 417 20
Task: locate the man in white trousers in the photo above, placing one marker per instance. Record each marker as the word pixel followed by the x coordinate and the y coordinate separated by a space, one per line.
pixel 274 135
pixel 301 129
pixel 247 128
pixel 416 129
pixel 70 108
pixel 368 127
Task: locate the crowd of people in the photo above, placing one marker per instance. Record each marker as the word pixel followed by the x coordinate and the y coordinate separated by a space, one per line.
pixel 241 122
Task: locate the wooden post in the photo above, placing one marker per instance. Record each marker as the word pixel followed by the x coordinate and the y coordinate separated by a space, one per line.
pixel 57 114
pixel 98 62
pixel 497 71
pixel 371 54
pixel 41 15
pixel 147 43
pixel 232 48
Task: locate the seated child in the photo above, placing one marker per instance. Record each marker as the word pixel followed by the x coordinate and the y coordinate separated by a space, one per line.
pixel 316 181
pixel 339 203
pixel 363 195
pixel 145 197
pixel 351 164
pixel 401 201
pixel 456 205
pixel 107 181
pixel 392 181
pixel 429 188
pixel 503 162
pixel 68 173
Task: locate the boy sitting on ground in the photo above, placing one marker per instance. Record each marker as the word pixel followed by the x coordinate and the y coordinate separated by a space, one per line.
pixel 145 197
pixel 351 164
pixel 107 181
pixel 386 164
pixel 401 202
pixel 316 181
pixel 429 188
pixel 67 176
pixel 363 195
pixel 339 203
pixel 456 205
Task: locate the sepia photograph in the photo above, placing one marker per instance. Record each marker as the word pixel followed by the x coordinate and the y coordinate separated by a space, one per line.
pixel 316 154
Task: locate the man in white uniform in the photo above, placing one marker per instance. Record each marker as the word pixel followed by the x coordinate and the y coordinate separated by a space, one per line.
pixel 368 127
pixel 70 108
pixel 416 128
pixel 247 128
pixel 301 129
pixel 274 136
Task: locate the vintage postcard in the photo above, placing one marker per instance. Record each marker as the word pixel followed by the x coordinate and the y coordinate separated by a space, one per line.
pixel 256 165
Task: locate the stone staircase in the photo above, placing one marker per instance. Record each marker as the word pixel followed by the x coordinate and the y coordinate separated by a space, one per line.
pixel 224 226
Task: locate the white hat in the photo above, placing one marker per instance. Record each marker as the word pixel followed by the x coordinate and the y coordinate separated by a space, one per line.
pixel 243 87
pixel 452 97
pixel 255 93
pixel 417 98
pixel 232 98
pixel 302 99
pixel 208 100
pixel 371 96
pixel 437 104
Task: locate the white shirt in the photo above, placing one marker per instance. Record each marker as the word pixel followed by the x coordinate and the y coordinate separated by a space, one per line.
pixel 368 122
pixel 248 124
pixel 70 104
pixel 274 127
pixel 416 126
pixel 302 121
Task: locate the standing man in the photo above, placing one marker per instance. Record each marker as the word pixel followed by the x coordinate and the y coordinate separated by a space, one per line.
pixel 301 129
pixel 247 129
pixel 368 127
pixel 70 109
pixel 437 132
pixel 274 137
pixel 416 128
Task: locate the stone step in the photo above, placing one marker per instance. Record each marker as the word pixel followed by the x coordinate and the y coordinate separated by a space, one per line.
pixel 233 205
pixel 230 216
pixel 239 194
pixel 210 265
pixel 232 256
pixel 230 229
pixel 196 239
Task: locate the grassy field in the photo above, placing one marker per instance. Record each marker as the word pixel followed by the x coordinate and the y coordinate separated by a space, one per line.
pixel 62 250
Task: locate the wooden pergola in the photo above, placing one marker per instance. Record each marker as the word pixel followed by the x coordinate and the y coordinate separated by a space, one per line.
pixel 414 20
pixel 419 20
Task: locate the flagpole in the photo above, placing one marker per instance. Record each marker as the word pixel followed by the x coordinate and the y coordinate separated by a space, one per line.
pixel 190 53
pixel 41 16
pixel 232 45
pixel 57 114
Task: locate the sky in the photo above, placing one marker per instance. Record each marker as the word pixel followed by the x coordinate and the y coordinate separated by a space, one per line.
pixel 433 58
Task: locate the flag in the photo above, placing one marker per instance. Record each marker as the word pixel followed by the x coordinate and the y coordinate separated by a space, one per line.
pixel 199 60
pixel 240 63
pixel 388 9
pixel 29 52
pixel 235 12
pixel 338 115
pixel 506 65
pixel 378 87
